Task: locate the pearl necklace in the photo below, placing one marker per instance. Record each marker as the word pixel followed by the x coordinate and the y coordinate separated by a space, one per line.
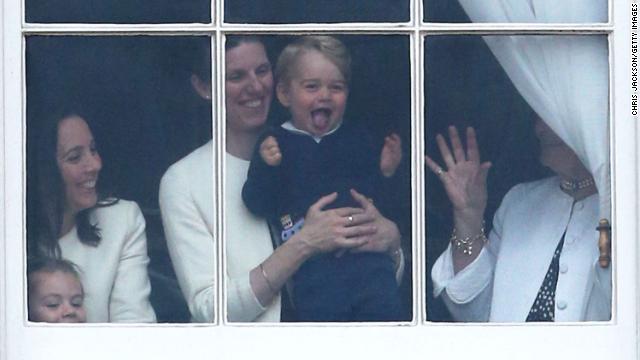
pixel 573 186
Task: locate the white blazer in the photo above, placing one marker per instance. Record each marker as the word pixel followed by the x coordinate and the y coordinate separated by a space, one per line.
pixel 114 273
pixel 188 216
pixel 502 283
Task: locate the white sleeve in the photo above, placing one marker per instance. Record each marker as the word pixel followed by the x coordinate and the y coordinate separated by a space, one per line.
pixel 468 293
pixel 129 299
pixel 242 304
pixel 191 245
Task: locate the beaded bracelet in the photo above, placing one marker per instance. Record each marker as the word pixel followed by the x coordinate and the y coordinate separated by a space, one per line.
pixel 466 244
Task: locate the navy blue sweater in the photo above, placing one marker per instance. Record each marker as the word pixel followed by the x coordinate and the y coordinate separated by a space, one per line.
pixel 346 159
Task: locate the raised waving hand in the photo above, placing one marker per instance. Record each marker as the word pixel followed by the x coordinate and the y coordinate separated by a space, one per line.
pixel 465 181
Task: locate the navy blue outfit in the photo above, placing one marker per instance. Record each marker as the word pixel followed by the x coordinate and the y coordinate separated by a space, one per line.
pixel 354 287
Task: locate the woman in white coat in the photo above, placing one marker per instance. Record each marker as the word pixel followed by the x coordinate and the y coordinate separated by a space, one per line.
pixel 255 271
pixel 540 261
pixel 69 217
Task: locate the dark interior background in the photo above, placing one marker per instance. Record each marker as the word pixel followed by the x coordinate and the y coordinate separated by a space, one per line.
pixel 145 116
pixel 465 86
pixel 118 11
pixel 315 11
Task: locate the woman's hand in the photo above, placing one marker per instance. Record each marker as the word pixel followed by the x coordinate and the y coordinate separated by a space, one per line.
pixel 323 231
pixel 465 182
pixel 387 236
pixel 330 230
pixel 465 178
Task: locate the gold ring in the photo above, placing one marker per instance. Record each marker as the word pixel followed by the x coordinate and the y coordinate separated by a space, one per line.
pixel 350 218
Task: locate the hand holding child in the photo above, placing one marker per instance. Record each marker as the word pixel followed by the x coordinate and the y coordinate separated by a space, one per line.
pixel 270 151
pixel 391 155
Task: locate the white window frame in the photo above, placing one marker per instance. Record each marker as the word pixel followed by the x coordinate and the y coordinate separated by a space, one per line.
pixel 616 339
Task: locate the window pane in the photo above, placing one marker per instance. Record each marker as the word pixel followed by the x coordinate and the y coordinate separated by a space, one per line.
pixel 315 11
pixel 312 88
pixel 120 12
pixel 136 95
pixel 467 87
pixel 512 11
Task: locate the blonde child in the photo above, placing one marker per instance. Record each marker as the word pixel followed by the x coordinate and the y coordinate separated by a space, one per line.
pixel 314 154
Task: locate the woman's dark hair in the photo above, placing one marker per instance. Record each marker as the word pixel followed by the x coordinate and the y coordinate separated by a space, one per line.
pixel 201 53
pixel 233 41
pixel 46 192
pixel 201 59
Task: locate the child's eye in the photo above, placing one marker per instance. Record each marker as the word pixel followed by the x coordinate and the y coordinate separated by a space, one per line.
pixel 52 305
pixel 311 86
pixel 337 87
pixel 77 301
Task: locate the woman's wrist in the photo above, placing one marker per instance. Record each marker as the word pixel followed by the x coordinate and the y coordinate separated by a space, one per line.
pixel 300 247
pixel 468 222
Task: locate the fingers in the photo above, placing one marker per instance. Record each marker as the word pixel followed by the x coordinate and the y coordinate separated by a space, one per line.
pixel 394 141
pixel 346 211
pixel 456 144
pixel 322 202
pixel 484 169
pixel 473 154
pixel 345 243
pixel 359 231
pixel 444 151
pixel 433 165
pixel 270 151
pixel 361 199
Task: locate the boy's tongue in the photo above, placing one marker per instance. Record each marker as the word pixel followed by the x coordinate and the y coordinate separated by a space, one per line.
pixel 320 119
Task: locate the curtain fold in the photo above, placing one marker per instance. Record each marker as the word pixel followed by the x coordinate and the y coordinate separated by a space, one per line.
pixel 565 79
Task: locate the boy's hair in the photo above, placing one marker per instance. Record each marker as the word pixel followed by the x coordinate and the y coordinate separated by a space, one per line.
pixel 50 265
pixel 328 46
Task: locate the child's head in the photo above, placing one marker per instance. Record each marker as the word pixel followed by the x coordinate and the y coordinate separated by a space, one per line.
pixel 55 293
pixel 313 75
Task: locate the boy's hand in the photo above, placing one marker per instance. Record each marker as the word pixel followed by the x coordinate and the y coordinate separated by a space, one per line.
pixel 270 151
pixel 391 155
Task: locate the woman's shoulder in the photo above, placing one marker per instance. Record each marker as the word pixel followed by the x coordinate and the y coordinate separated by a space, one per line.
pixel 196 159
pixel 533 189
pixel 116 211
pixel 190 168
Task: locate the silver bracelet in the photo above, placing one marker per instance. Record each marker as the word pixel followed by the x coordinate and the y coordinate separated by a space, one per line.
pixel 465 245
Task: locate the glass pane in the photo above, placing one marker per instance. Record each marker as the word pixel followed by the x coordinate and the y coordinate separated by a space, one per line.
pixel 119 12
pixel 516 11
pixel 315 11
pixel 540 197
pixel 330 128
pixel 135 95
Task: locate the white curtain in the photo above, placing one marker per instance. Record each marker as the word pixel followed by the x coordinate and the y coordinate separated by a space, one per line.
pixel 565 79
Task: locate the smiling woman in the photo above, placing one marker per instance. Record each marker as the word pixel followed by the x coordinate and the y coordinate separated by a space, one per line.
pixel 70 218
pixel 79 164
